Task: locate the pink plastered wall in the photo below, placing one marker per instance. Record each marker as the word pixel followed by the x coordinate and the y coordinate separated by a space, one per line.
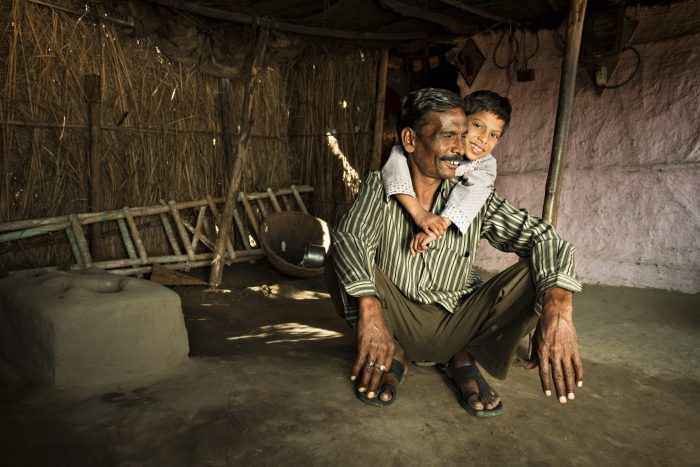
pixel 630 199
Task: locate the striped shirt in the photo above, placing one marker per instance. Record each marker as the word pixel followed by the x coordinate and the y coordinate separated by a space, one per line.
pixel 466 198
pixel 376 231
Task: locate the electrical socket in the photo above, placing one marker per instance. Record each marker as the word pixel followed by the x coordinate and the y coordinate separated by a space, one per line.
pixel 527 74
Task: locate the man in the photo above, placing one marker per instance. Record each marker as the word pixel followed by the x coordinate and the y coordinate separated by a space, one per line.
pixel 432 306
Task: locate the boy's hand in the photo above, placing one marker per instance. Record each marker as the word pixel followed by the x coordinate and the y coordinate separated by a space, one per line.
pixel 419 243
pixel 432 224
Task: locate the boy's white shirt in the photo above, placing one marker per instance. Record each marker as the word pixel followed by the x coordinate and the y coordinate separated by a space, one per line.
pixel 467 198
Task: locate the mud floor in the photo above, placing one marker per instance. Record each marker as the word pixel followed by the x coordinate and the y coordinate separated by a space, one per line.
pixel 267 384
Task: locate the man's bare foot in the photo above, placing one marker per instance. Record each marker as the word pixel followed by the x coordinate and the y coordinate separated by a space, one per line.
pixel 475 393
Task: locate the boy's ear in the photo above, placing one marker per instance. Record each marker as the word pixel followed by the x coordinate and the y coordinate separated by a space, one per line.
pixel 408 139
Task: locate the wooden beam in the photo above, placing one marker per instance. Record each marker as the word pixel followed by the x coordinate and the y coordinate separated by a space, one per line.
pixel 241 158
pixel 479 12
pixel 411 11
pixel 93 95
pixel 379 110
pixel 289 27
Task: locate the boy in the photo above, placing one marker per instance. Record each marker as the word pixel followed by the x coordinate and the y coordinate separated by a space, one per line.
pixel 488 116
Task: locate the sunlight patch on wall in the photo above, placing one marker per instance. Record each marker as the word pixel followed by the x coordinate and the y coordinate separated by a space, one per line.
pixel 351 179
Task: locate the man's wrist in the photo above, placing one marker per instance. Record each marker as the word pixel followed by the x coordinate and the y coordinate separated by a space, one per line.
pixel 559 301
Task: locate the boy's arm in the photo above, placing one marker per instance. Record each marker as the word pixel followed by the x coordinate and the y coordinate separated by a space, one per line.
pixel 430 223
pixel 396 178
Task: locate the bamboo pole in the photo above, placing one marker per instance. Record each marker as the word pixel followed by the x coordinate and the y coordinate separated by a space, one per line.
pixel 181 229
pixel 273 200
pixel 216 217
pixel 93 95
pixel 297 197
pixel 251 215
pixel 136 235
pixel 81 241
pixel 379 110
pixel 574 29
pixel 241 153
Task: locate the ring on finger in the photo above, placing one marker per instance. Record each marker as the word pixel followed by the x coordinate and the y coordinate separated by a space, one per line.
pixel 371 363
pixel 381 368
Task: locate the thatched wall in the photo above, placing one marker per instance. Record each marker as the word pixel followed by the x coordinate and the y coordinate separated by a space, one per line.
pixel 170 145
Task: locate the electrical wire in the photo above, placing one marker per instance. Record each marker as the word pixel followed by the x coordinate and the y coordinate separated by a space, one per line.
pixel 636 69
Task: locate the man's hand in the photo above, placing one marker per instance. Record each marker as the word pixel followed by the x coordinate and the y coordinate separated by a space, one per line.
pixel 420 242
pixel 375 347
pixel 556 346
pixel 432 224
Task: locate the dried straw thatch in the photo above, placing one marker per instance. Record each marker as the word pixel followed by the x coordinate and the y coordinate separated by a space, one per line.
pixel 162 135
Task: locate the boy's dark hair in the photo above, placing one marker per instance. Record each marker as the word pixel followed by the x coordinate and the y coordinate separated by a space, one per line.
pixel 416 105
pixel 489 101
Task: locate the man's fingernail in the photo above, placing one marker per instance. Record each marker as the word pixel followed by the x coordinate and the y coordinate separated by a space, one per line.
pixel 548 393
pixel 361 389
pixel 352 378
pixel 370 394
pixel 562 399
pixel 579 384
pixel 571 396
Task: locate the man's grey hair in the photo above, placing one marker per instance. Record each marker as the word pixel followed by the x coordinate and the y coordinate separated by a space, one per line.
pixel 416 105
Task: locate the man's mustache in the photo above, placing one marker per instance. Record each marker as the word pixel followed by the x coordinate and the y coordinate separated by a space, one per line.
pixel 451 158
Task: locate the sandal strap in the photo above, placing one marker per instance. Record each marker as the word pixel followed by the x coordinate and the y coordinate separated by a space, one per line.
pixel 465 373
pixel 398 369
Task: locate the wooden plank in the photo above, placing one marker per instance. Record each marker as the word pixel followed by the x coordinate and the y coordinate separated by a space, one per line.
pixel 166 276
pixel 136 236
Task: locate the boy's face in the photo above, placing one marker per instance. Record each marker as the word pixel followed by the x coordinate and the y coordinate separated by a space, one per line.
pixel 484 130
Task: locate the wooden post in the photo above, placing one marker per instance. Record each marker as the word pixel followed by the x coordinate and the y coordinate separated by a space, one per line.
pixel 224 99
pixel 574 29
pixel 93 95
pixel 379 111
pixel 240 154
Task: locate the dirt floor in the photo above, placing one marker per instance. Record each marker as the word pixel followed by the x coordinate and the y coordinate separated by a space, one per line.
pixel 267 384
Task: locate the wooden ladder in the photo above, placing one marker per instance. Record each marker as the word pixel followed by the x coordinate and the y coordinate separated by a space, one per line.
pixel 191 241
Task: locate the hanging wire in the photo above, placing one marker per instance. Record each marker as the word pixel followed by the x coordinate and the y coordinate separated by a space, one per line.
pixel 636 69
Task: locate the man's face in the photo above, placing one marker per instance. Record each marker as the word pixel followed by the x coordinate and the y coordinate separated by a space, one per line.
pixel 484 130
pixel 439 146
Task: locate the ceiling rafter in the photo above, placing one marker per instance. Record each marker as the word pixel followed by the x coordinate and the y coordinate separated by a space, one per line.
pixel 479 12
pixel 284 26
pixel 416 12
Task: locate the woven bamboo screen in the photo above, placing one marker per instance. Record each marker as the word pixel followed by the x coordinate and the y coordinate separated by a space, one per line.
pixel 161 136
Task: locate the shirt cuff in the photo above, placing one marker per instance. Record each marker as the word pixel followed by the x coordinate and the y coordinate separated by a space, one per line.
pixel 361 288
pixel 563 281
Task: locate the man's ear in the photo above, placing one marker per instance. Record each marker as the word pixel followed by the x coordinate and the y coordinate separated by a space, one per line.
pixel 408 139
